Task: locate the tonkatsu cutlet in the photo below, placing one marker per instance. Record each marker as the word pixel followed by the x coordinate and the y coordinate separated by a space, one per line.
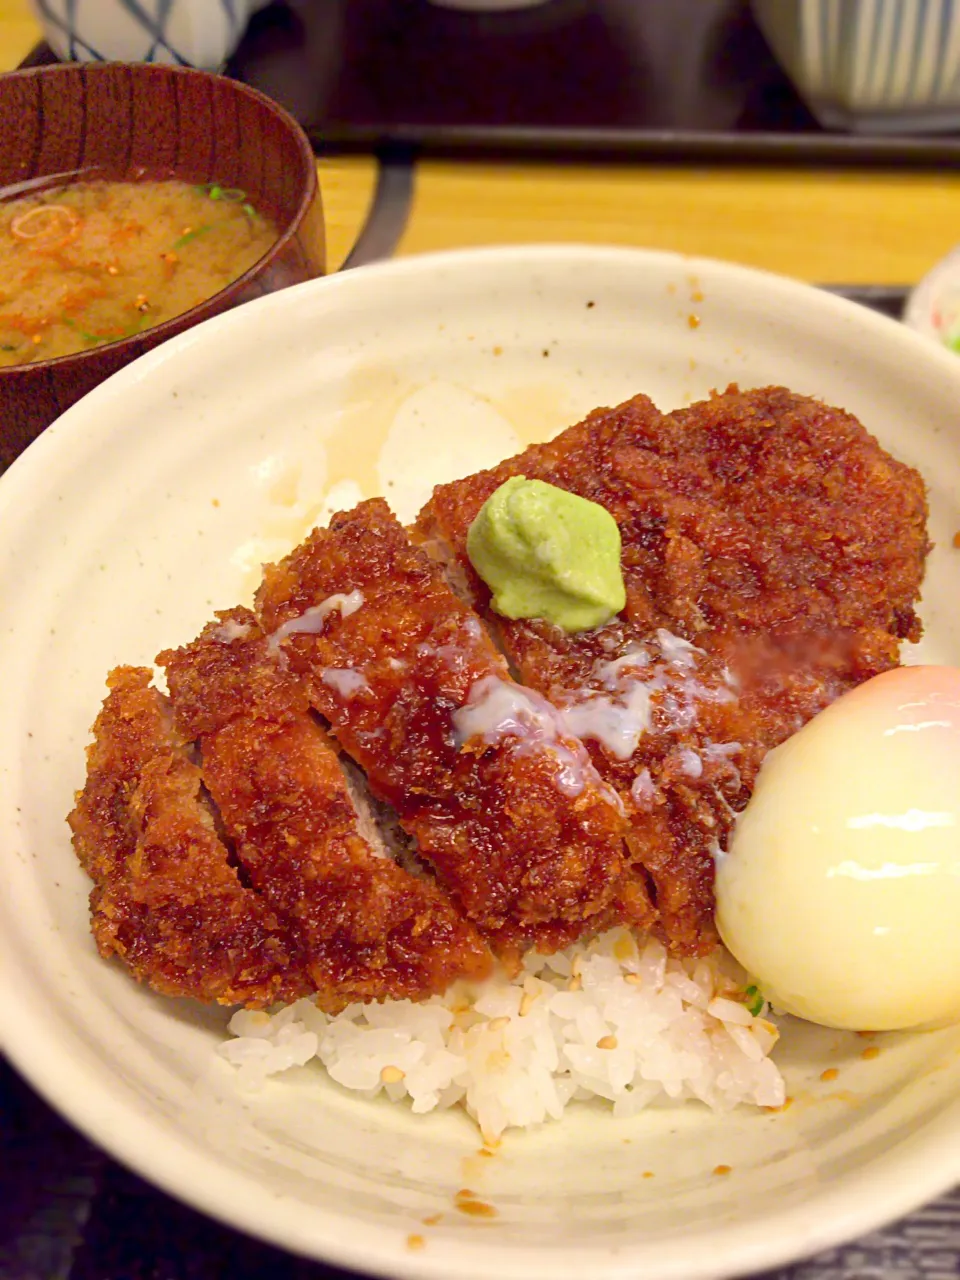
pixel 502 801
pixel 270 892
pixel 367 928
pixel 167 899
pixel 772 554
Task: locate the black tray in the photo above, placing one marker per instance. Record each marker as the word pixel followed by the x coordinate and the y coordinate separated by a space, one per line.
pixel 657 79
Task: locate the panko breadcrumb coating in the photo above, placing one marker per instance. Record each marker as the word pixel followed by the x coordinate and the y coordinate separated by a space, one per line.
pixel 519 828
pixel 167 900
pixel 767 529
pixel 348 794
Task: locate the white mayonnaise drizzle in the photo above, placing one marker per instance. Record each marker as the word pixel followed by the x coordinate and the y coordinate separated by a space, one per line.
pixel 232 630
pixel 642 790
pixel 676 650
pixel 616 722
pixel 722 753
pixel 620 711
pixel 722 750
pixel 311 621
pixel 345 681
pixel 632 659
pixel 502 713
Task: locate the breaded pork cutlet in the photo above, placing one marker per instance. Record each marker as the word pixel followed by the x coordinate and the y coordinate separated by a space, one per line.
pixel 270 892
pixel 772 556
pixel 167 900
pixel 502 802
pixel 368 929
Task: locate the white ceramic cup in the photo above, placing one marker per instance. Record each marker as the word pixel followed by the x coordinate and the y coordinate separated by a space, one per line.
pixel 197 33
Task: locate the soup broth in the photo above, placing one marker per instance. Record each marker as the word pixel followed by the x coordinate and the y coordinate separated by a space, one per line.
pixel 94 262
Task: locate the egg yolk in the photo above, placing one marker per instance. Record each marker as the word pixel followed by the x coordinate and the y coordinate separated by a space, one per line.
pixel 841 890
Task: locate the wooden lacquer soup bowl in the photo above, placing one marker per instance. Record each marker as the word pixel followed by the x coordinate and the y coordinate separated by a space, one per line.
pixel 123 122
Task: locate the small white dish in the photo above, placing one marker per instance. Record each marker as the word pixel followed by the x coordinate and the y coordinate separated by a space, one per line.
pixel 151 503
pixel 933 307
pixel 195 33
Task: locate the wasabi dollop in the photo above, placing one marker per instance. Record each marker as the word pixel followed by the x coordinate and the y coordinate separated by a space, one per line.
pixel 546 553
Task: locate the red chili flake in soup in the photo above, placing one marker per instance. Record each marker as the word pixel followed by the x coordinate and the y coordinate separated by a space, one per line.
pixel 92 262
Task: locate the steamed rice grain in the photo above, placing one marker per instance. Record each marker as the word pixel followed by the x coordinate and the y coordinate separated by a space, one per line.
pixel 605 1020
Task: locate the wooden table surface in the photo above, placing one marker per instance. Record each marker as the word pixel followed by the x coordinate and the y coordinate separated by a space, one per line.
pixel 830 226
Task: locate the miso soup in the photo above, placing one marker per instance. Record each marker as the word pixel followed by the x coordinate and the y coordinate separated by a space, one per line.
pixel 93 262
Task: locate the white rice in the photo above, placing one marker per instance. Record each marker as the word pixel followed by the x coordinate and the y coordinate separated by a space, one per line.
pixel 606 1020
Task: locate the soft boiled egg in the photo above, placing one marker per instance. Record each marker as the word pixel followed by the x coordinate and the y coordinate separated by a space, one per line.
pixel 841 890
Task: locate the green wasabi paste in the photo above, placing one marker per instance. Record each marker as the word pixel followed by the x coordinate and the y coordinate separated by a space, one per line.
pixel 546 553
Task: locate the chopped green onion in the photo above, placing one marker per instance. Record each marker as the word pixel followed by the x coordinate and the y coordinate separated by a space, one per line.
pixel 216 191
pixel 7 346
pixel 191 235
pixel 87 337
pixel 101 337
pixel 755 1001
pixel 249 210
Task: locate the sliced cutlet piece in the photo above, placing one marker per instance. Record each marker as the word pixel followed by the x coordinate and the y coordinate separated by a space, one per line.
pixel 369 930
pixel 767 530
pixel 166 900
pixel 501 800
pixel 630 693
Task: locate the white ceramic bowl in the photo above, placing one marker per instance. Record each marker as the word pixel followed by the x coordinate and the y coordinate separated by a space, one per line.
pixel 889 66
pixel 151 502
pixel 197 33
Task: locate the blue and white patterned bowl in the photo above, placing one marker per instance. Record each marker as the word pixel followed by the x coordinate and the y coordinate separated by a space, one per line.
pixel 195 33
pixel 870 65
